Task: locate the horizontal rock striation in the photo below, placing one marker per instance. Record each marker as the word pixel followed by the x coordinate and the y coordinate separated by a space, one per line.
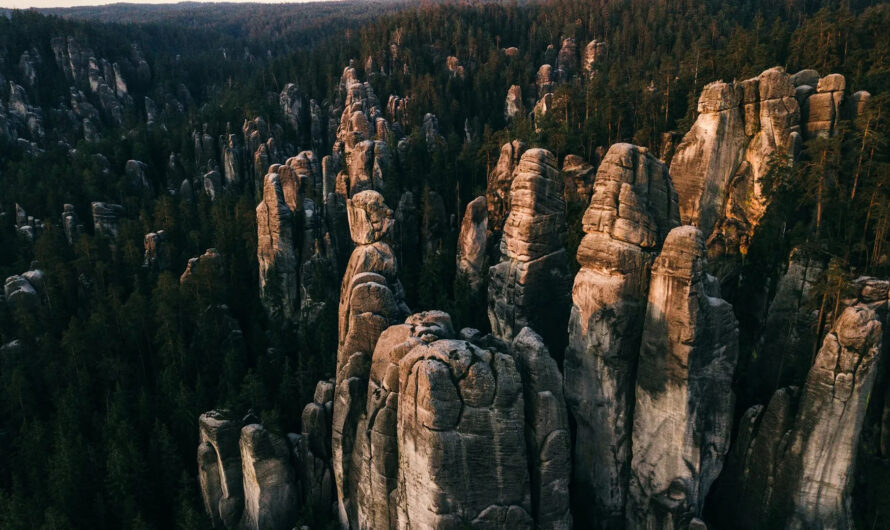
pixel 684 403
pixel 633 207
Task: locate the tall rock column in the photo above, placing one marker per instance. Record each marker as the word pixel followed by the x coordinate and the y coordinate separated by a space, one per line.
pixel 462 452
pixel 370 301
pixel 276 249
pixel 497 193
pixel 634 205
pixel 684 402
pixel 376 461
pixel 471 245
pixel 530 286
pixel 547 433
pixel 810 436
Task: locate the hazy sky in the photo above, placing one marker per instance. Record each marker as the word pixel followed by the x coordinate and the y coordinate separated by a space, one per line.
pixel 24 4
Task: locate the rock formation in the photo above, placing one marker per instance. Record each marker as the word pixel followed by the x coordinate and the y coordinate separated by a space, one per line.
pixel 530 286
pixel 370 301
pixel 497 193
pixel 316 474
pixel 794 460
pixel 246 475
pixel 682 419
pixel 593 55
pixel 23 292
pixel 157 252
pixel 513 104
pixel 789 336
pixel 277 253
pixel 208 267
pixel 578 177
pixel 472 244
pixel 376 459
pixel 71 223
pixel 633 208
pixel 739 128
pixel 462 454
pixel 105 218
pixel 547 433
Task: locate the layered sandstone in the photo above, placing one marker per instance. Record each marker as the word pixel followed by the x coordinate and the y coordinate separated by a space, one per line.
pixel 682 418
pixel 530 286
pixel 633 207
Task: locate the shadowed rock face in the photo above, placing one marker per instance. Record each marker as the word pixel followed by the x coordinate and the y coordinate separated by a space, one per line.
pixel 789 336
pixel 497 193
pixel 371 299
pixel 547 434
pixel 316 474
pixel 633 207
pixel 247 478
pixel 472 243
pixel 529 287
pixel 578 176
pixel 462 453
pixel 794 461
pixel 684 403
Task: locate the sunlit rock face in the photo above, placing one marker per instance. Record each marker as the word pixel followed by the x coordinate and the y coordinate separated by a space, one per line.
pixel 248 480
pixel 462 452
pixel 742 128
pixel 371 299
pixel 530 285
pixel 632 209
pixel 682 418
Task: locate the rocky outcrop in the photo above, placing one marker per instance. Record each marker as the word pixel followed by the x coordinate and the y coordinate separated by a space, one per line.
pixel 23 292
pixel 137 180
pixel 71 223
pixel 316 474
pixel 294 107
pixel 277 251
pixel 684 404
pixel 270 490
pixel 567 59
pixel 497 192
pixel 822 109
pixel 105 218
pixel 462 454
pixel 246 475
pixel 513 105
pixel 718 167
pixel 157 251
pixel 530 286
pixel 578 176
pixel 206 268
pixel 633 207
pixel 789 336
pixel 370 301
pixel 376 459
pixel 472 245
pixel 793 463
pixel 593 55
pixel 219 468
pixel 547 432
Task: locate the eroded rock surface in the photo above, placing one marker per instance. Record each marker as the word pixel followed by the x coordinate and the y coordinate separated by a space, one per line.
pixel 633 207
pixel 684 403
pixel 472 244
pixel 530 286
pixel 794 461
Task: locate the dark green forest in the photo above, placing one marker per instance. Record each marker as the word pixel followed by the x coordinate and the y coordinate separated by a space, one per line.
pixel 99 396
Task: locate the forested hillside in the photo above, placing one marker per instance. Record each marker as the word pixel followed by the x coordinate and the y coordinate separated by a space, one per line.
pixel 147 282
